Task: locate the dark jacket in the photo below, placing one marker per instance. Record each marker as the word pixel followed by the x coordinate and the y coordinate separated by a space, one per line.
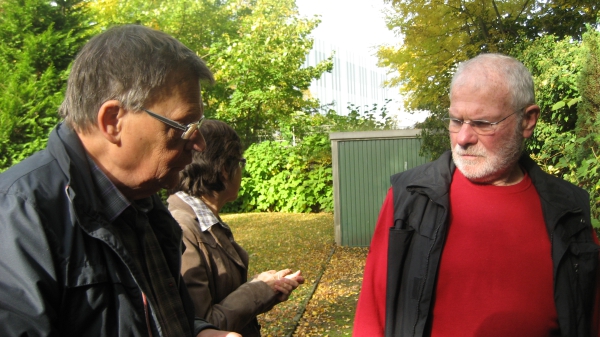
pixel 421 206
pixel 63 268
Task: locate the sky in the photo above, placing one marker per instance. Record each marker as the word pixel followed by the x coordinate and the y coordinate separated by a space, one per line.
pixel 352 24
pixel 356 25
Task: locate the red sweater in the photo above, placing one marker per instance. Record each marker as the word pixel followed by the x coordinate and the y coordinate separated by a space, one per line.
pixel 499 266
pixel 495 275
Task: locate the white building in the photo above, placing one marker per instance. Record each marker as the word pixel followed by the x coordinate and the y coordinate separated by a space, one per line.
pixel 355 79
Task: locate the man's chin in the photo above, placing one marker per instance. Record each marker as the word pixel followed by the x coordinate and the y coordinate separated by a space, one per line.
pixel 474 172
pixel 170 181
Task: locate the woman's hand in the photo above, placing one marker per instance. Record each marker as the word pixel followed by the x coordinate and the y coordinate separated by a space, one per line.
pixel 283 282
pixel 217 333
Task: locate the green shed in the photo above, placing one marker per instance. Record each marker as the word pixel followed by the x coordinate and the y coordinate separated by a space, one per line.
pixel 362 165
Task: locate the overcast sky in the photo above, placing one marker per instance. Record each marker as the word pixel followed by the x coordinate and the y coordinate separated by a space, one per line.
pixel 356 25
pixel 351 24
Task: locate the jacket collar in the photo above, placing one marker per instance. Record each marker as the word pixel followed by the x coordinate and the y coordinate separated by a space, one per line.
pixel 214 235
pixel 66 147
pixel 434 180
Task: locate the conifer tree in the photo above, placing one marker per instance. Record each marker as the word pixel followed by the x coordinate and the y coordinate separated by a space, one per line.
pixel 38 40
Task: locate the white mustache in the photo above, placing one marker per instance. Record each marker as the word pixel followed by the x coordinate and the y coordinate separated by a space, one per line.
pixel 470 151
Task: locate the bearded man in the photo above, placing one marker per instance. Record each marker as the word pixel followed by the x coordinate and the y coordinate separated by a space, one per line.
pixel 482 242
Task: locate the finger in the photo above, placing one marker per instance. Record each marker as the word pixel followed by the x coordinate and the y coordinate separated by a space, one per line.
pixel 294 275
pixel 288 284
pixel 284 273
pixel 283 289
pixel 292 282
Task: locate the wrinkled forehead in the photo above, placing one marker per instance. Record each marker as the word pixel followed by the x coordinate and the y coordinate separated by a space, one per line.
pixel 485 83
pixel 480 76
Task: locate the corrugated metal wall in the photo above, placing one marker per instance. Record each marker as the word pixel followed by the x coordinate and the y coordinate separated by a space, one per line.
pixel 363 163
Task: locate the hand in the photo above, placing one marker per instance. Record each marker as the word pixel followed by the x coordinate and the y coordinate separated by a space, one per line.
pixel 282 282
pixel 217 333
pixel 296 276
pixel 290 280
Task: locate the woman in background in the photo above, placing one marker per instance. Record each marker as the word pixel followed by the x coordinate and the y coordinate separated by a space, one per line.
pixel 214 266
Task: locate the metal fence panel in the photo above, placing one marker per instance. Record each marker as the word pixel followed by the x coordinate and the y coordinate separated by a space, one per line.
pixel 362 169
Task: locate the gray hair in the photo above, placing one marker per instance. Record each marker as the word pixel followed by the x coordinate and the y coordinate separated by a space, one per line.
pixel 132 64
pixel 515 75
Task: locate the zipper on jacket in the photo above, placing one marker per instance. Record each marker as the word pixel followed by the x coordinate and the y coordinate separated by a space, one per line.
pixel 424 282
pixel 147 314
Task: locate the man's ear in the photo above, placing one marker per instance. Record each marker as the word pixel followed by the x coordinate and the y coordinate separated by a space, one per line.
pixel 109 121
pixel 530 118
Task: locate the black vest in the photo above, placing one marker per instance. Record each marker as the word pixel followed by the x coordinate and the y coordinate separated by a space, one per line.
pixel 416 241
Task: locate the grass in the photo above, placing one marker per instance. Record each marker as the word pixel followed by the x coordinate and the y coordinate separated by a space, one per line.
pixel 330 312
pixel 305 242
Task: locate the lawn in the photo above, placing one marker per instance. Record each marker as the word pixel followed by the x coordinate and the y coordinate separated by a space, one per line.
pixel 324 305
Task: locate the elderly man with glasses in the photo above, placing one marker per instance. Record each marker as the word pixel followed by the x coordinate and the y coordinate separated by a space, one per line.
pixel 482 242
pixel 87 247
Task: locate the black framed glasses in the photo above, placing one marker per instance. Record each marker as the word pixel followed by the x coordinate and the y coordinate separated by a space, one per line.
pixel 188 130
pixel 243 163
pixel 481 127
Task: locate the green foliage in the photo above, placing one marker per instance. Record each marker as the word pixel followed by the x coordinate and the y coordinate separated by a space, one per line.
pixel 284 178
pixel 566 138
pixel 256 50
pixel 358 118
pixel 197 24
pixel 38 40
pixel 438 34
pixel 294 174
pixel 554 64
pixel 365 118
pixel 260 72
pixel 583 162
pixel 434 134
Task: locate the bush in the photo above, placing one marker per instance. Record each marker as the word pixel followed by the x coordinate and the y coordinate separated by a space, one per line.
pixel 567 135
pixel 284 178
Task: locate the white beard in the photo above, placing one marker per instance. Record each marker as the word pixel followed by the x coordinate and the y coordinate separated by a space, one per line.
pixel 487 166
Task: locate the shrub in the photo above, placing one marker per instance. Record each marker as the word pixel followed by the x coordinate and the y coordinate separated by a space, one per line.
pixel 280 177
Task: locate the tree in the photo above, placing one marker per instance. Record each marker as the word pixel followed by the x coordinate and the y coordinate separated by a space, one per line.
pixel 587 172
pixel 38 40
pixel 282 176
pixel 566 138
pixel 256 50
pixel 438 34
pixel 196 23
pixel 260 72
pixel 572 152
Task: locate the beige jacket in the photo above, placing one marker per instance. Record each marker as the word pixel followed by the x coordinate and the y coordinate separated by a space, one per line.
pixel 215 268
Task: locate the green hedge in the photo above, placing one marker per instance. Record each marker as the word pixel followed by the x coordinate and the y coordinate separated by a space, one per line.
pixel 280 177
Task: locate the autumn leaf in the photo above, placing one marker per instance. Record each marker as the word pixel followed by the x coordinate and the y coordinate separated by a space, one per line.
pixel 303 242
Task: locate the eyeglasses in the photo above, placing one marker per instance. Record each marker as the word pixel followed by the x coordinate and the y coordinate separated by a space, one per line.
pixel 243 162
pixel 481 127
pixel 188 130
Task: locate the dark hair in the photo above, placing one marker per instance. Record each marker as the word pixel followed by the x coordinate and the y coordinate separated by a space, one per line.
pixel 132 64
pixel 223 151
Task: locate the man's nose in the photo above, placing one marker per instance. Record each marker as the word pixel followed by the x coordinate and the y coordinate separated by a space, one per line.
pixel 466 135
